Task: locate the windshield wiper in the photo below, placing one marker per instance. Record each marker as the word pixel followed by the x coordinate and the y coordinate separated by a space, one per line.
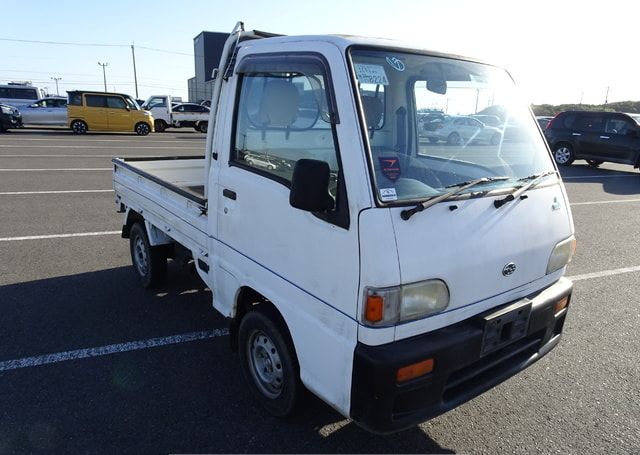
pixel 459 187
pixel 533 181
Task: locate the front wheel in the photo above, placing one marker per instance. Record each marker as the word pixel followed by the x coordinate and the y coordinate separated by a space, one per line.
pixel 142 129
pixel 269 363
pixel 160 125
pixel 150 262
pixel 202 127
pixel 563 154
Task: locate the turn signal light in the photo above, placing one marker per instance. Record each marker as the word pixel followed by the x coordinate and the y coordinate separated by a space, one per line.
pixel 374 309
pixel 414 370
pixel 561 304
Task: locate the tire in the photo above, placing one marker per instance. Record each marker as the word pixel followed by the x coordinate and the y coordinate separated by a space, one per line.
pixel 594 163
pixel 250 162
pixel 79 127
pixel 563 154
pixel 203 126
pixel 142 129
pixel 160 125
pixel 495 139
pixel 149 262
pixel 269 363
pixel 454 139
pixel 433 140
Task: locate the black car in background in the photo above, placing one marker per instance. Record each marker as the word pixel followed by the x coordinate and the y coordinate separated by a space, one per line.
pixel 10 117
pixel 594 136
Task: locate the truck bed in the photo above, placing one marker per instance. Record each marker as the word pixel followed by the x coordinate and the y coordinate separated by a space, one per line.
pixel 169 193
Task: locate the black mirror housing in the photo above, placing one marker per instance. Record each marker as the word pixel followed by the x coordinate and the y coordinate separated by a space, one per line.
pixel 310 186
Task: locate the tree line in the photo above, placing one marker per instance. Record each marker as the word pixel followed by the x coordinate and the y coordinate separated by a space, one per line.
pixel 631 107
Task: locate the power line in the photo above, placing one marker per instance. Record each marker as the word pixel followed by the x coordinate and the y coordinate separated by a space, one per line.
pixel 61 43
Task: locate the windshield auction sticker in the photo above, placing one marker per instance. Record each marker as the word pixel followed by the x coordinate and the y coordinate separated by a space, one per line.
pixel 371 74
pixel 390 167
pixel 388 194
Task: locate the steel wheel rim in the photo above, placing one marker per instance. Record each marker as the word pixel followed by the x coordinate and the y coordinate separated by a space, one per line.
pixel 140 256
pixel 78 127
pixel 143 129
pixel 265 364
pixel 562 155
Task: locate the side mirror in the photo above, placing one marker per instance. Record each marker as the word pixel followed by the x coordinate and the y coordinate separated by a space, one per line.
pixel 128 108
pixel 310 186
pixel 33 105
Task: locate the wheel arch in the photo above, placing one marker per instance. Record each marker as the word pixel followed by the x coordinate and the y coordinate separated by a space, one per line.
pixel 248 299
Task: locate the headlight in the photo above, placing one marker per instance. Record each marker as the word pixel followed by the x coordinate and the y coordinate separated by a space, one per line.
pixel 389 306
pixel 6 109
pixel 561 254
pixel 147 113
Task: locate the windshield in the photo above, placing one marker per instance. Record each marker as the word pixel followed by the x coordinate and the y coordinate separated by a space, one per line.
pixel 132 103
pixel 435 122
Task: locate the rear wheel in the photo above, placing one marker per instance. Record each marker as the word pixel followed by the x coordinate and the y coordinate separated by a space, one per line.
pixel 142 129
pixel 269 363
pixel 78 127
pixel 563 154
pixel 150 262
pixel 203 126
pixel 454 139
pixel 160 125
pixel 594 163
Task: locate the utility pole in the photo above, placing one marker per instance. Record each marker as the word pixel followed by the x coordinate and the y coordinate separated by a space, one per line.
pixel 104 74
pixel 56 79
pixel 135 75
pixel 606 97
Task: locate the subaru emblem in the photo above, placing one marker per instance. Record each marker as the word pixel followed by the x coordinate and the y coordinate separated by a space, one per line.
pixel 509 269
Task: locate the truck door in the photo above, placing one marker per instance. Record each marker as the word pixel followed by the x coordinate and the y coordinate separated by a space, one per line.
pixel 286 112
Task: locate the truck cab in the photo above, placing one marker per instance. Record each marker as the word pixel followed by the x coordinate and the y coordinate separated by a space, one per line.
pixel 393 277
pixel 168 112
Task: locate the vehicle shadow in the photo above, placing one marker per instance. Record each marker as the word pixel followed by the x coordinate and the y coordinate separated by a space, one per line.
pixel 612 181
pixel 188 397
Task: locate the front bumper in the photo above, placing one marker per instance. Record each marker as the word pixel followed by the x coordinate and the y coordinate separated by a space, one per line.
pixel 11 120
pixel 381 405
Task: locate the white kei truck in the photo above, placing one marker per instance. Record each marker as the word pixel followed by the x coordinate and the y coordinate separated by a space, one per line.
pixel 167 115
pixel 392 277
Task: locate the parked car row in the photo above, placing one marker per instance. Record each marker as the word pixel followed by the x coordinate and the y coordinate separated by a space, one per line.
pixel 84 111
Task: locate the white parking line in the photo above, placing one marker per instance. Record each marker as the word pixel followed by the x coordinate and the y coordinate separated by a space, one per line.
pixel 12 193
pixel 105 140
pixel 112 155
pixel 110 349
pixel 58 236
pixel 614 201
pixel 603 273
pixel 600 176
pixel 59 169
pixel 110 147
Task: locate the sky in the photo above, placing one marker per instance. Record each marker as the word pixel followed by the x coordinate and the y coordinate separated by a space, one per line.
pixel 560 51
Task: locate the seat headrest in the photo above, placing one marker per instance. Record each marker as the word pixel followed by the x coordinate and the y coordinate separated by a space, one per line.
pixel 373 110
pixel 279 104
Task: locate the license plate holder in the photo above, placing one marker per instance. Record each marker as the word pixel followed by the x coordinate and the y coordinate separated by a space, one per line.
pixel 505 326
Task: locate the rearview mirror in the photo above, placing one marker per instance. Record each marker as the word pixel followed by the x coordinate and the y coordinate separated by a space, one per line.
pixel 310 186
pixel 437 86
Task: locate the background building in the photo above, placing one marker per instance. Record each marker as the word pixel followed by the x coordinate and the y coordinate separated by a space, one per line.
pixel 207 50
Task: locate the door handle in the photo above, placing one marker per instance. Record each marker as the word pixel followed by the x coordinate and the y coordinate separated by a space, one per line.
pixel 576 134
pixel 604 137
pixel 230 194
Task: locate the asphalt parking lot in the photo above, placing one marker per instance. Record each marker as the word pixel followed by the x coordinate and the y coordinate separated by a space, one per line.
pixel 92 363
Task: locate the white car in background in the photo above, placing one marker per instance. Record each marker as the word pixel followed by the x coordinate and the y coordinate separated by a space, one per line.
pixel 457 130
pixel 47 111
